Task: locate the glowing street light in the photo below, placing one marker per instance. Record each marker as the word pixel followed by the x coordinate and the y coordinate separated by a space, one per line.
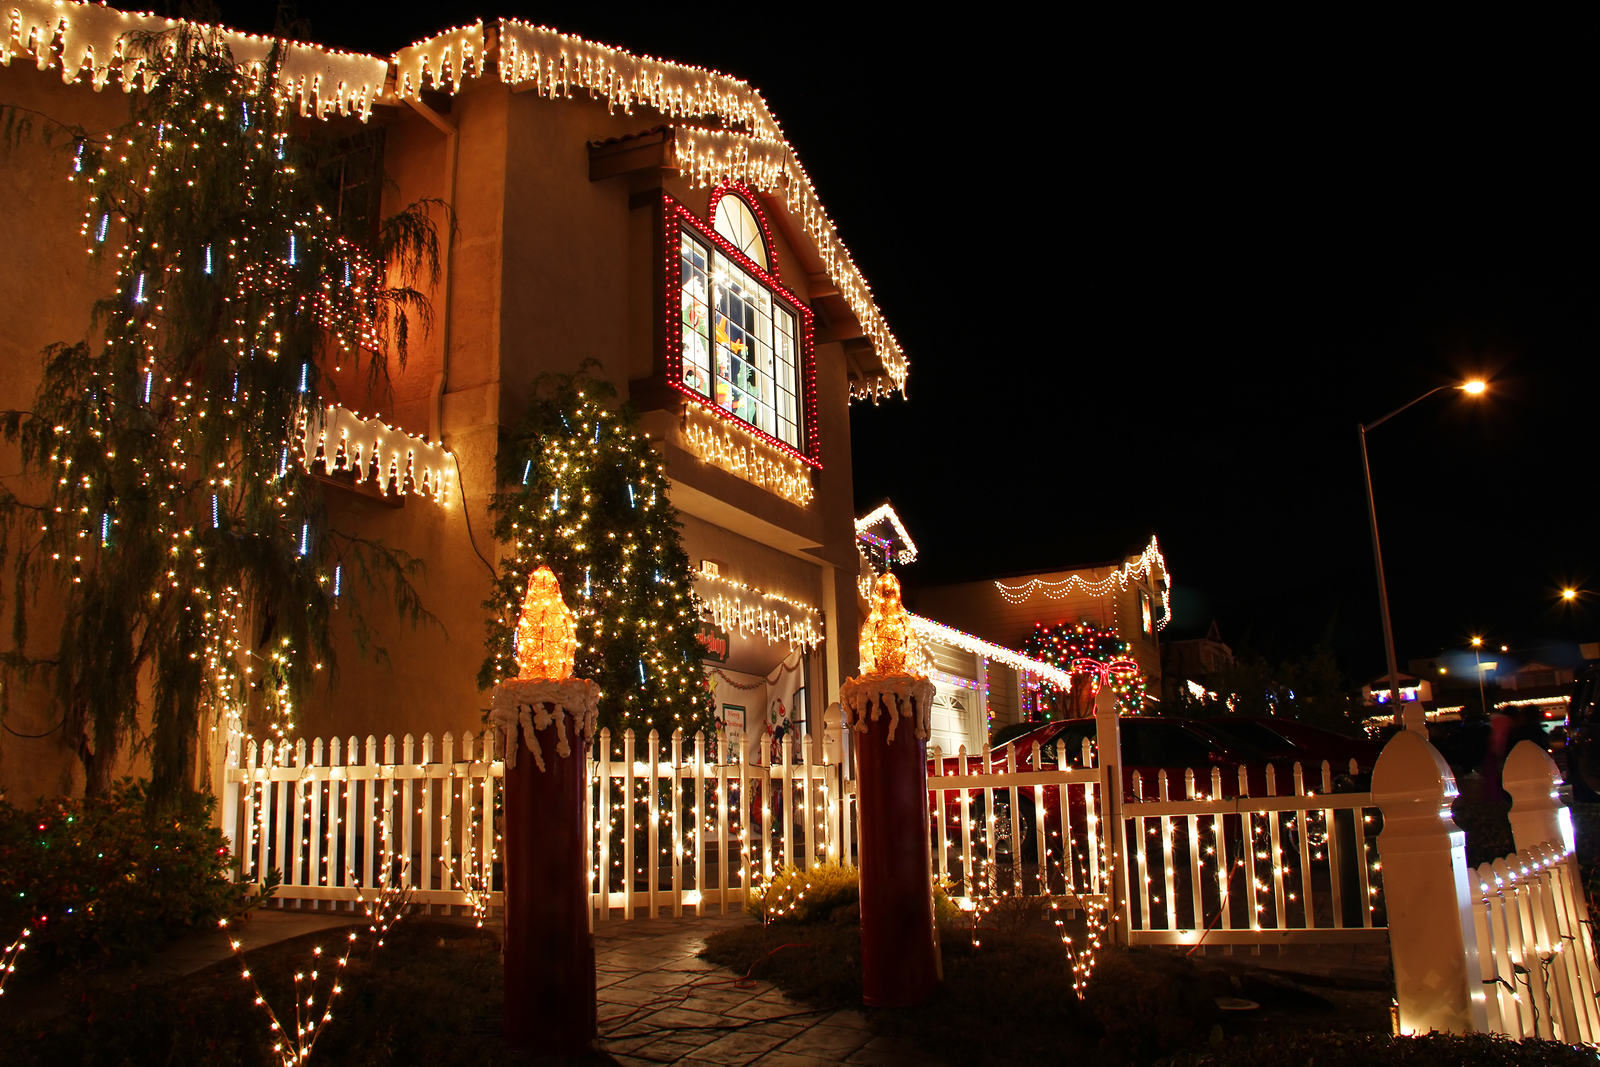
pixel 1472 387
pixel 1569 594
pixel 1477 655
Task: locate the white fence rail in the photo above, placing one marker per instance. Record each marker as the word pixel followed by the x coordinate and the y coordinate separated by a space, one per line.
pixel 1274 868
pixel 1535 948
pixel 689 825
pixel 1210 865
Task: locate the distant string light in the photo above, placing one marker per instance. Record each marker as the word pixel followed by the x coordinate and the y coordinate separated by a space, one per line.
pixel 1143 568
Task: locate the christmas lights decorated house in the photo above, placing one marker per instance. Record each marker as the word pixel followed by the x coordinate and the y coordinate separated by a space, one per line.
pixel 579 204
pixel 1012 650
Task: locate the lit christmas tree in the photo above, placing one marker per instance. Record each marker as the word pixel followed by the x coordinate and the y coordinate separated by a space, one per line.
pixel 585 495
pixel 173 525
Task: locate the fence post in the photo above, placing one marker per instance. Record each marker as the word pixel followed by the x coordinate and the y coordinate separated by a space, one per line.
pixel 1537 816
pixel 1108 738
pixel 1432 935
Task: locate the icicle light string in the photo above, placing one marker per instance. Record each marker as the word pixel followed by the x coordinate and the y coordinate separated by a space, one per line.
pixel 1150 567
pixel 325 82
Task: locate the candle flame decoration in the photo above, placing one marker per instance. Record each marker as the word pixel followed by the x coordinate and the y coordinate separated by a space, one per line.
pixel 887 639
pixel 547 633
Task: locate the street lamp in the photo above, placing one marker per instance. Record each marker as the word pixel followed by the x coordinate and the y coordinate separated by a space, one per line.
pixel 1477 656
pixel 1471 388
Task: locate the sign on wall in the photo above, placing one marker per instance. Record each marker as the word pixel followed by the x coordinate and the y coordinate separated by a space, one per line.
pixel 714 639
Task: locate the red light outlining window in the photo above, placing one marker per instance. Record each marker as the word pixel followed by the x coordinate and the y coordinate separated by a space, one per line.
pixel 738 343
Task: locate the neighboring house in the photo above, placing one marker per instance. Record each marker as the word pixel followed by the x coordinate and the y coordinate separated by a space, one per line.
pixel 635 211
pixel 1128 595
pixel 979 685
pixel 1195 664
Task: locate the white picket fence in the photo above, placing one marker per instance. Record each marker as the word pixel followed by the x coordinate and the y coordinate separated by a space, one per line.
pixel 676 826
pixel 701 829
pixel 1214 866
pixel 1507 948
pixel 988 836
pixel 1535 947
pixel 334 817
pixel 1273 869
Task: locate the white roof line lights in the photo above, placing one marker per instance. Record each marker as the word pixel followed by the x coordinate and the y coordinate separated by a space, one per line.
pixel 885 512
pixel 937 631
pixel 93 37
pixel 1144 567
pixel 553 64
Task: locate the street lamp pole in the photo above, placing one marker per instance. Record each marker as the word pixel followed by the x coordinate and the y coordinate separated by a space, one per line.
pixel 1418 721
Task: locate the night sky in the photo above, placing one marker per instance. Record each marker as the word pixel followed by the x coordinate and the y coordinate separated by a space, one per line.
pixel 1152 275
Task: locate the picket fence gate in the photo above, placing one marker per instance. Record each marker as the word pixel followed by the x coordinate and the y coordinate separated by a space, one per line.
pixel 1273 869
pixel 1205 867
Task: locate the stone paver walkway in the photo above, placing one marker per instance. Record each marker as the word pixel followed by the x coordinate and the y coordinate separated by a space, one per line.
pixel 661 1004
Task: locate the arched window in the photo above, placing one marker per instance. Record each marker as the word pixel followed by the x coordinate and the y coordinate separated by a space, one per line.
pixel 743 341
pixel 734 221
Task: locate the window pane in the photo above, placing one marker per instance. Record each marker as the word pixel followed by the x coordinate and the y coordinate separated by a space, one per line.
pixel 754 346
pixel 787 373
pixel 696 317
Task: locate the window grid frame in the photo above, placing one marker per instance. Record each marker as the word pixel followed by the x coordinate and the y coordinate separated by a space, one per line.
pixel 679 220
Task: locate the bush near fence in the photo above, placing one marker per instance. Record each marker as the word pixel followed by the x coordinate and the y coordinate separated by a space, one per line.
pixel 102 880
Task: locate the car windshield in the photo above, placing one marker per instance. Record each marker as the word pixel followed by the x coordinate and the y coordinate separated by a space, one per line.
pixel 1157 744
pixel 1253 733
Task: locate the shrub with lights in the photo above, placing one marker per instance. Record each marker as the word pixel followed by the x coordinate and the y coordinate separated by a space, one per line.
pixel 1062 645
pixel 584 494
pixel 98 879
pixel 165 514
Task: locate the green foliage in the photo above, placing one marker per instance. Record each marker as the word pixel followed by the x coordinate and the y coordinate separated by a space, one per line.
pixel 584 494
pixel 794 895
pixel 1297 1049
pixel 1309 688
pixel 172 525
pixel 102 880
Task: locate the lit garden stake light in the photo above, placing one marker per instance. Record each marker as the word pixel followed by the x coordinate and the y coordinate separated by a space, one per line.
pixel 8 958
pixel 293 1050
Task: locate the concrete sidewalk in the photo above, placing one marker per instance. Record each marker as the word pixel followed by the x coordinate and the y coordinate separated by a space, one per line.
pixel 661 1004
